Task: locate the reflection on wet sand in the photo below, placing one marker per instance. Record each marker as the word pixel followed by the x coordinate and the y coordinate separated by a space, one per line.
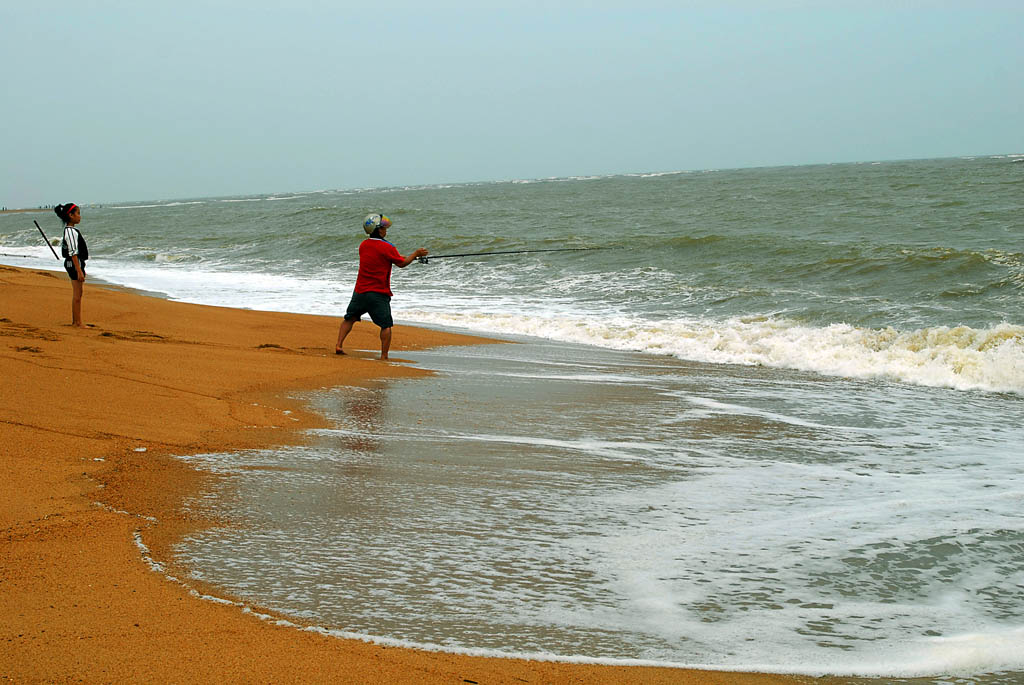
pixel 361 411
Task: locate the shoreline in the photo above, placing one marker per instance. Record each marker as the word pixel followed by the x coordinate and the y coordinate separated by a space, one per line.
pixel 93 422
pixel 26 211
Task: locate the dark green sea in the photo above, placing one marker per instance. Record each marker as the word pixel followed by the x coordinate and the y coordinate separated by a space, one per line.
pixel 769 418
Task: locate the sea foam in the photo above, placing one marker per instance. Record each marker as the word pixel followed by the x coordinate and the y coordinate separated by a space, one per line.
pixel 963 358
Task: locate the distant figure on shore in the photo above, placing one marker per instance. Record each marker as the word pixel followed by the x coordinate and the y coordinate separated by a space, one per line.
pixel 75 252
pixel 372 294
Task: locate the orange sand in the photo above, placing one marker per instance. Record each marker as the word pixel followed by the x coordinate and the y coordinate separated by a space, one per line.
pixel 78 600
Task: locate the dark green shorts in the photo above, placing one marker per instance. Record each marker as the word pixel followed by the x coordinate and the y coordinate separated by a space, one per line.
pixel 69 266
pixel 377 305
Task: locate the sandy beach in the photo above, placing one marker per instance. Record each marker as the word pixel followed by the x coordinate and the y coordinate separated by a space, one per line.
pixel 92 420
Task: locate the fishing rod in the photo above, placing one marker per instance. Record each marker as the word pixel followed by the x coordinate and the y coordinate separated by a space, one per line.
pixel 46 239
pixel 426 260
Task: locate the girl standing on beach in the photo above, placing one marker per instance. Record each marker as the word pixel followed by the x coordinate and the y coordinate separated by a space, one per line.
pixel 75 252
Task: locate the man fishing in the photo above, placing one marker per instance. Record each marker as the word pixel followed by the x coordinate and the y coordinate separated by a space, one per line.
pixel 372 294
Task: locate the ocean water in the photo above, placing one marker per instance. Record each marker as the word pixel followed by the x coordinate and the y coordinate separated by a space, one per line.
pixel 774 422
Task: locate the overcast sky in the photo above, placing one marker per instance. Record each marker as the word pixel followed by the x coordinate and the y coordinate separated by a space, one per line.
pixel 107 101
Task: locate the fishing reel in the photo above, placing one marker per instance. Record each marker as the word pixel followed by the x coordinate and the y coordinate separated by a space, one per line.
pixel 423 260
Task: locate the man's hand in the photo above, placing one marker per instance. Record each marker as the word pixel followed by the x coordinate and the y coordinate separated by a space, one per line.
pixel 416 254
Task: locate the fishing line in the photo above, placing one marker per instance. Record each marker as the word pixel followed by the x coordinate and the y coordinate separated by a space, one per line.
pixel 46 239
pixel 426 260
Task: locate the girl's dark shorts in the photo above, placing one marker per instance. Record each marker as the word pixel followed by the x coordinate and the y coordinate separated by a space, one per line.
pixel 377 305
pixel 69 266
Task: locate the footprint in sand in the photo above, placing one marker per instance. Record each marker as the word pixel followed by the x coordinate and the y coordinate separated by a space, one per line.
pixel 133 335
pixel 18 330
pixel 29 348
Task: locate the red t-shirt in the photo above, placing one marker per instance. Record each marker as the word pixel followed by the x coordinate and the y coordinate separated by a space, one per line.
pixel 375 259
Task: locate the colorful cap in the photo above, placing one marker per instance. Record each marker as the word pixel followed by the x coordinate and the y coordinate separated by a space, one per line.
pixel 374 221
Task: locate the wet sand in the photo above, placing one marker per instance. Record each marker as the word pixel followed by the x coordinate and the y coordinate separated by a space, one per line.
pixel 91 422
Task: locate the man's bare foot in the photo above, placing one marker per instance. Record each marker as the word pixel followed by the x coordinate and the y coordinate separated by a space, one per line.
pixel 337 350
pixel 384 358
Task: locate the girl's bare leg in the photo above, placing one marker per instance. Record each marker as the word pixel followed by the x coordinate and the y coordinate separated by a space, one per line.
pixel 76 304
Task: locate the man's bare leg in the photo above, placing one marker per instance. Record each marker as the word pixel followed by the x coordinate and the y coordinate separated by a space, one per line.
pixel 385 342
pixel 343 331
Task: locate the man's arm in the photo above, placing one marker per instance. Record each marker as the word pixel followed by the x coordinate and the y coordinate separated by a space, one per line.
pixel 419 252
